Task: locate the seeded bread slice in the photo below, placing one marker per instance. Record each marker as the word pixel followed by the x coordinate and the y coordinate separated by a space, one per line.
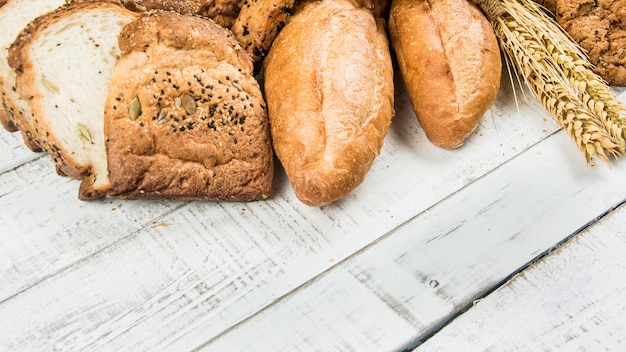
pixel 64 62
pixel 185 117
pixel 258 24
pixel 14 16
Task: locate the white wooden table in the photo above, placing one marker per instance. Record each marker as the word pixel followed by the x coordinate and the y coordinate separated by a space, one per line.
pixel 510 243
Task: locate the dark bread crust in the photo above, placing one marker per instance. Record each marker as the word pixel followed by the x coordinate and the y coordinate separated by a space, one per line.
pixel 216 148
pixel 258 24
pixel 255 23
pixel 6 119
pixel 599 27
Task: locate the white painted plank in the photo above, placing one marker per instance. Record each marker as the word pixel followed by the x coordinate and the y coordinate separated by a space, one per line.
pixel 409 176
pixel 571 300
pixel 45 229
pixel 401 287
pixel 14 152
pixel 90 276
pixel 187 274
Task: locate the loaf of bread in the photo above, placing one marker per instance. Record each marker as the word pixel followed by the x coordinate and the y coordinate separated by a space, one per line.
pixel 329 89
pixel 450 61
pixel 64 62
pixel 14 16
pixel 599 27
pixel 185 117
pixel 255 24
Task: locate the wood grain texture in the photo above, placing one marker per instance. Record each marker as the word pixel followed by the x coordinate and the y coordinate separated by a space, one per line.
pixel 14 152
pixel 433 266
pixel 115 275
pixel 571 300
pixel 45 229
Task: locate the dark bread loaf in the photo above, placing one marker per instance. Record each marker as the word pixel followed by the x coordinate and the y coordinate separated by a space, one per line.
pixel 599 27
pixel 185 117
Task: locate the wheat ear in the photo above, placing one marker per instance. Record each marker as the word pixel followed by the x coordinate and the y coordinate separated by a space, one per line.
pixel 558 75
pixel 591 89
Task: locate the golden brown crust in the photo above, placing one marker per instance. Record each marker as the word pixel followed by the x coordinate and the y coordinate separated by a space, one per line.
pixel 223 12
pixel 16 122
pixel 19 123
pixel 378 8
pixel 189 7
pixel 329 89
pixel 599 27
pixel 202 133
pixel 255 23
pixel 450 61
pixel 259 22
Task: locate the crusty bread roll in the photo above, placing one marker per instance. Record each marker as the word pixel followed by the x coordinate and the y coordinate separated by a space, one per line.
pixel 450 61
pixel 329 89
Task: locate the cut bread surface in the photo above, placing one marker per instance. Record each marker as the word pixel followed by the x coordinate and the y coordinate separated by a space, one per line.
pixel 14 16
pixel 65 64
pixel 201 131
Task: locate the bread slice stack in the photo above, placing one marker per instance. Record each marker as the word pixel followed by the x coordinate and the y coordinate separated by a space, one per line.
pixel 14 16
pixel 140 121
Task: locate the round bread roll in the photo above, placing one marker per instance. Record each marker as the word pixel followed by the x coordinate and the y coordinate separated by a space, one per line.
pixel 329 91
pixel 450 61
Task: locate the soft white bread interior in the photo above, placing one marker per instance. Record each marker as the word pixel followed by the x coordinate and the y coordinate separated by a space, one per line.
pixel 64 62
pixel 450 62
pixel 14 16
pixel 329 89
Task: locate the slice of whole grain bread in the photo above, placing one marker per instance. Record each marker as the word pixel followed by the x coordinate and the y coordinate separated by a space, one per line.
pixel 185 117
pixel 63 62
pixel 14 16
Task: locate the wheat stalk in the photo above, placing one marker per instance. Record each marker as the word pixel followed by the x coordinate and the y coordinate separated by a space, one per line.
pixel 592 90
pixel 559 76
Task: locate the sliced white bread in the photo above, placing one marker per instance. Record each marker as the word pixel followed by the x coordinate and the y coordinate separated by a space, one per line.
pixel 64 62
pixel 14 16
